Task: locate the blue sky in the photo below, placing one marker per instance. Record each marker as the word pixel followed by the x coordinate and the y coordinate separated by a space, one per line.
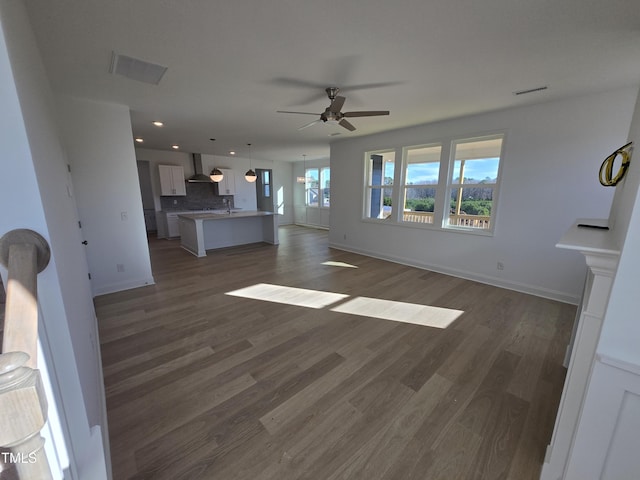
pixel 477 169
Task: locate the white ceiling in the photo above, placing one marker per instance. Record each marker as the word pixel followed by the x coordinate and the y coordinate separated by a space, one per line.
pixel 232 64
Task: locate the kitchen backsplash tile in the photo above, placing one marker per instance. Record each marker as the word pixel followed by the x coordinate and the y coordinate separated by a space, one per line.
pixel 200 196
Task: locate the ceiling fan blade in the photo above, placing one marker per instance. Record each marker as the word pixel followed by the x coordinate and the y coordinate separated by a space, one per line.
pixel 347 125
pixel 297 82
pixel 309 124
pixel 365 86
pixel 370 113
pixel 301 113
pixel 337 104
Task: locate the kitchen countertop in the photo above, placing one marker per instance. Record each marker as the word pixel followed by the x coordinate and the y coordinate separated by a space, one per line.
pixel 223 215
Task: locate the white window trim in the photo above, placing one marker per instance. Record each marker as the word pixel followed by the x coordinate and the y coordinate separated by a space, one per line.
pixel 443 188
pixel 368 187
pixel 320 202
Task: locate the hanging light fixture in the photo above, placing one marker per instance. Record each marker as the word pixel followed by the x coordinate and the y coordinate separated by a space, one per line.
pixel 250 176
pixel 216 175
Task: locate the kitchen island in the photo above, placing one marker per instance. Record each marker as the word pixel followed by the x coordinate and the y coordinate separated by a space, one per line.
pixel 200 232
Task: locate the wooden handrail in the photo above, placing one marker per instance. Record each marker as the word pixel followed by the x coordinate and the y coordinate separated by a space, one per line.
pixel 23 403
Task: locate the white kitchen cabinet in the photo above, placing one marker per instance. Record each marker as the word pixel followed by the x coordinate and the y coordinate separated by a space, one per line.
pixel 161 224
pixel 172 180
pixel 227 186
pixel 173 225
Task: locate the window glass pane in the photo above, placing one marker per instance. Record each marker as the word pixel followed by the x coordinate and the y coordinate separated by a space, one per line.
pixel 312 178
pixel 386 202
pixel 471 207
pixel 381 167
pixel 267 190
pixel 380 173
pixel 423 165
pixel 325 182
pixel 312 181
pixel 422 168
pixel 483 170
pixel 265 176
pixel 419 204
pixel 473 183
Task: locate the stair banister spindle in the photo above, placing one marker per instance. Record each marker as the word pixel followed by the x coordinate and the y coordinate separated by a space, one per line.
pixel 23 403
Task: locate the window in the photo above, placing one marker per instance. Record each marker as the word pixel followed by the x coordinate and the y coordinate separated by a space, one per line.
pixel 421 177
pixel 452 187
pixel 317 187
pixel 473 183
pixel 266 183
pixel 379 184
pixel 311 183
pixel 325 184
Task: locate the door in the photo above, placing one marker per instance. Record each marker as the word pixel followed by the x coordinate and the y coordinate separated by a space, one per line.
pixel 264 190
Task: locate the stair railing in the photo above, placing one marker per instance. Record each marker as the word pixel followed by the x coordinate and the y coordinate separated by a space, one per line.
pixel 23 403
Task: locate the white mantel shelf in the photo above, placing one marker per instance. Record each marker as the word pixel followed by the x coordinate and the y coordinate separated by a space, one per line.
pixel 589 240
pixel 200 232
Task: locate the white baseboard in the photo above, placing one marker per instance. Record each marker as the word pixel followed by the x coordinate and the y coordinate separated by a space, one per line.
pixel 120 286
pixel 93 466
pixel 489 280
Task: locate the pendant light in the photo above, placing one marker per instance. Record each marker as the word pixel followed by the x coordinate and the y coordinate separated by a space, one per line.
pixel 216 175
pixel 250 176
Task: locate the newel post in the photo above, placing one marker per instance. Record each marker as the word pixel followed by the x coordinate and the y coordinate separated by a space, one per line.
pixel 23 403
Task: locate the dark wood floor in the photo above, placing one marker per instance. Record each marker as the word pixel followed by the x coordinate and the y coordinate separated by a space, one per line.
pixel 205 385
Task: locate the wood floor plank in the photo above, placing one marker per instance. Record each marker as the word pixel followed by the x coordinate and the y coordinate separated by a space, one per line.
pixel 204 385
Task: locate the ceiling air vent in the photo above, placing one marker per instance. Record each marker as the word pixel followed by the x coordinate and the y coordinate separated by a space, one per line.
pixel 531 90
pixel 136 69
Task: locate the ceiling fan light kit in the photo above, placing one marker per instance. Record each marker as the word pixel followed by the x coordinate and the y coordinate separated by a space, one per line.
pixel 333 114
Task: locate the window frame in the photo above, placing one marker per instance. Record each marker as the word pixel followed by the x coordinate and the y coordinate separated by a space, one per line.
pixel 450 185
pixel 320 177
pixel 368 187
pixel 438 187
pixel 443 188
pixel 326 191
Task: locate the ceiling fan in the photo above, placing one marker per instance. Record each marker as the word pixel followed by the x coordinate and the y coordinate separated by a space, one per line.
pixel 332 113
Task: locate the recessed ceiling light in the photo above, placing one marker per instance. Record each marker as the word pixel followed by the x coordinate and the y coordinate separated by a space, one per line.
pixel 232 152
pixel 175 147
pixel 139 140
pixel 158 123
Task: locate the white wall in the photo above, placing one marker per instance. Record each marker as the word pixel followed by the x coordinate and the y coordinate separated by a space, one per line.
pixel 245 197
pixel 550 177
pixel 605 443
pixel 33 194
pixel 99 145
pixel 303 215
pixel 621 328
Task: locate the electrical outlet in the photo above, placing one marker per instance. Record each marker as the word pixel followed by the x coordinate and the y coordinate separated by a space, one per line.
pixel 345 236
pixel 120 267
pixel 500 266
pixel 124 216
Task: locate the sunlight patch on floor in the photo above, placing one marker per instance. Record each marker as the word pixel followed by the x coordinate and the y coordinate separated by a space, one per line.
pixel 331 263
pixel 300 297
pixel 425 315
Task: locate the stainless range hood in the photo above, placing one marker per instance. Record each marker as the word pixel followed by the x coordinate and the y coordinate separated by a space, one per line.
pixel 199 176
